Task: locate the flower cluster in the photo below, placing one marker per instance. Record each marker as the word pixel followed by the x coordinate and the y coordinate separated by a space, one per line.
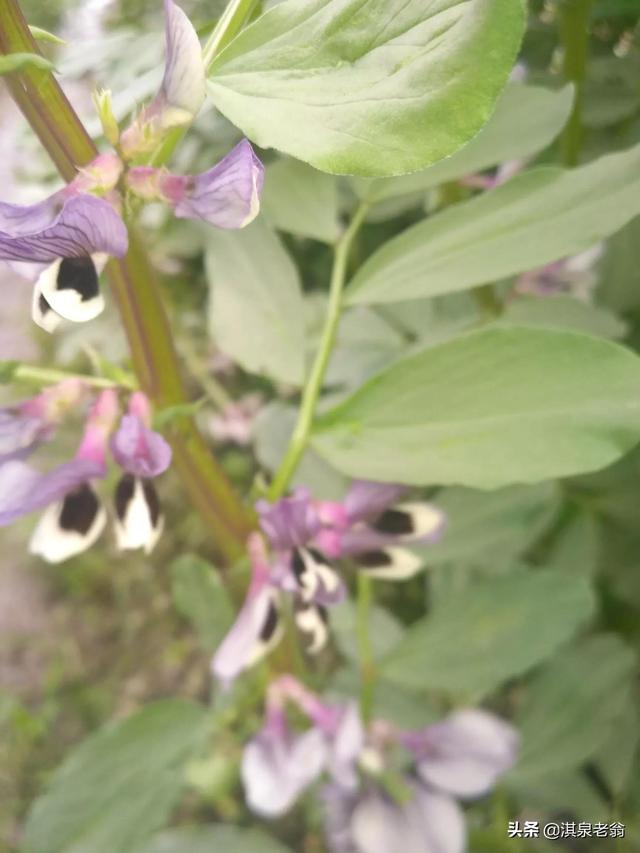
pixel 388 789
pixel 63 243
pixel 371 528
pixel 74 516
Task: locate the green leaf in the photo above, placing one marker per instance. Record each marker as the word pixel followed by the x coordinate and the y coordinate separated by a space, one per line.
pixel 526 120
pixel 563 312
pixel 571 706
pixel 533 219
pixel 489 409
pixel 18 61
pixel 200 596
pixel 491 632
pixel 486 527
pixel 301 200
pixel 375 88
pixel 120 785
pixel 385 630
pixel 215 838
pixel 256 312
pixel 44 35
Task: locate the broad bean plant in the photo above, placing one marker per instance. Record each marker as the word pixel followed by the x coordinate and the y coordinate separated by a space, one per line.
pixel 326 453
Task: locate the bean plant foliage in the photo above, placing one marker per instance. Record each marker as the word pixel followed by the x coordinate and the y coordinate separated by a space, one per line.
pixel 319 467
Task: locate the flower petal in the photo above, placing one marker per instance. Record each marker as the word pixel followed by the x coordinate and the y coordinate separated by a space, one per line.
pixel 390 564
pixel 70 287
pixel 69 526
pixel 139 450
pixel 290 522
pixel 24 490
pixel 139 522
pixel 276 770
pixel 42 313
pixel 316 580
pixel 411 522
pixel 183 84
pixel 311 621
pixel 345 747
pixel 61 227
pixel 19 434
pixel 255 632
pixel 366 499
pixel 466 753
pixel 228 195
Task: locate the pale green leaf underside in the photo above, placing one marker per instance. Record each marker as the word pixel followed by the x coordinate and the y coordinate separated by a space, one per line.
pixel 490 632
pixel 256 311
pixel 526 120
pixel 490 409
pixel 214 838
pixel 368 87
pixel 533 219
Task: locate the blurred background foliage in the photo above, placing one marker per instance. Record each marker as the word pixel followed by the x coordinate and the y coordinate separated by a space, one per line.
pixel 100 636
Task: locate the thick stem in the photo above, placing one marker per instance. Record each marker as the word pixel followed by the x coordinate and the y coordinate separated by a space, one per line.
pixel 136 291
pixel 574 32
pixel 365 648
pixel 311 393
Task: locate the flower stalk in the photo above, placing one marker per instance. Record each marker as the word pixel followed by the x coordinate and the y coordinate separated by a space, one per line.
pixel 136 291
pixel 574 33
pixel 313 387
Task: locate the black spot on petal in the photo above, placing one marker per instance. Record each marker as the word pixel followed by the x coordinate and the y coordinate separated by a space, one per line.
pixel 79 509
pixel 373 559
pixel 394 522
pixel 78 274
pixel 153 501
pixel 270 623
pixel 298 565
pixel 318 557
pixel 124 494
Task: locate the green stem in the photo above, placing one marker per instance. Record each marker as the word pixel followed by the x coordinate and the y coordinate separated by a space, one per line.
pixel 365 648
pixel 231 22
pixel 311 393
pixel 50 376
pixel 574 33
pixel 136 291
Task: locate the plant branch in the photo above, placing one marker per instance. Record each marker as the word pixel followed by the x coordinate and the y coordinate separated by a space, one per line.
pixel 311 393
pixel 137 294
pixel 365 648
pixel 574 33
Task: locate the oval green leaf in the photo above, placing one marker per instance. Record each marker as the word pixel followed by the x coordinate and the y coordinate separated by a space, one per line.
pixel 490 632
pixel 490 409
pixel 379 88
pixel 533 219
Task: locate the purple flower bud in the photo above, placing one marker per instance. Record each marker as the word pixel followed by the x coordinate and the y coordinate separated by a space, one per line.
pixel 464 754
pixel 257 628
pixel 278 765
pixel 138 449
pixel 227 196
pixel 182 90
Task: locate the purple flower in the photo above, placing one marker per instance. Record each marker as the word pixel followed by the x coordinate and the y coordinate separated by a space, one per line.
pixel 258 628
pixel 575 276
pixel 234 423
pixel 64 241
pixel 291 522
pixel 373 822
pixel 370 526
pixel 464 754
pixel 74 517
pixel 227 196
pixel 182 90
pixel 144 454
pixel 25 425
pixel 278 765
